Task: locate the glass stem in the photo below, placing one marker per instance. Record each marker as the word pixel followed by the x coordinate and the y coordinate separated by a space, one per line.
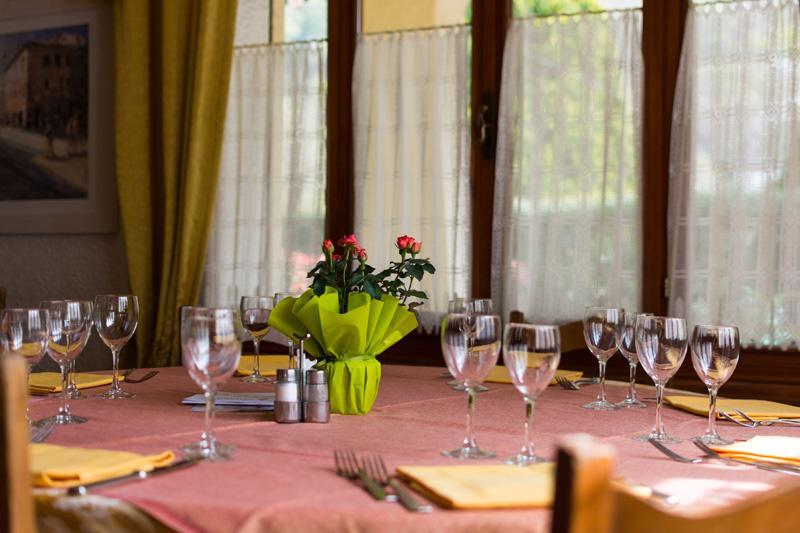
pixel 659 429
pixel 632 382
pixel 210 438
pixel 72 382
pixel 469 440
pixel 115 366
pixel 527 448
pixel 601 396
pixel 64 391
pixel 712 411
pixel 257 363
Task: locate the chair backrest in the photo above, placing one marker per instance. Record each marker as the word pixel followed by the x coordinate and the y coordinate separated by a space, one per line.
pixel 587 501
pixel 571 333
pixel 16 505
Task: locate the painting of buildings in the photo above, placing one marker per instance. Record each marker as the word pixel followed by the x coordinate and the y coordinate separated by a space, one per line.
pixel 44 97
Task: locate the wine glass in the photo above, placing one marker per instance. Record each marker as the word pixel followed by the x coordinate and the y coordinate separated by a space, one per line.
pixel 627 346
pixel 457 305
pixel 473 306
pixel 601 326
pixel 211 351
pixel 531 354
pixel 280 296
pixel 471 345
pixel 255 313
pixel 661 345
pixel 24 332
pixel 715 353
pixel 70 328
pixel 480 306
pixel 115 319
pixel 72 387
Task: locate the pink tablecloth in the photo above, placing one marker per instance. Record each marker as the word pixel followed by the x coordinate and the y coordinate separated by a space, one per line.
pixel 282 476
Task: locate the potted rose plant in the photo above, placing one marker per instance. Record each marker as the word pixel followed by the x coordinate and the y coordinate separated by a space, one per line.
pixel 352 313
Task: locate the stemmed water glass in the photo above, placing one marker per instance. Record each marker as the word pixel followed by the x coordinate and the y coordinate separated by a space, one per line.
pixel 470 306
pixel 531 354
pixel 280 296
pixel 255 313
pixel 70 328
pixel 715 353
pixel 211 351
pixel 661 345
pixel 470 345
pixel 601 326
pixel 72 388
pixel 24 332
pixel 115 319
pixel 627 346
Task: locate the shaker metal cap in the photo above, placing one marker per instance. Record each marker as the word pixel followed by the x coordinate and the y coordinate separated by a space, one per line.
pixel 316 377
pixel 287 374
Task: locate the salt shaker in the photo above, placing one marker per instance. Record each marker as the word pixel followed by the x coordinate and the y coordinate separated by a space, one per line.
pixel 316 407
pixel 287 397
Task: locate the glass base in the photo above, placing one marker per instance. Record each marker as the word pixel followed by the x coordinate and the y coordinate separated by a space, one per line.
pixel 524 459
pixel 255 378
pixel 460 387
pixel 629 403
pixel 469 452
pixel 659 437
pixel 713 440
pixel 201 450
pixel 599 405
pixel 63 419
pixel 74 394
pixel 118 394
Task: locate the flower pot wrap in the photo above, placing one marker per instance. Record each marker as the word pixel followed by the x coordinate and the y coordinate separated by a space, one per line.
pixel 346 344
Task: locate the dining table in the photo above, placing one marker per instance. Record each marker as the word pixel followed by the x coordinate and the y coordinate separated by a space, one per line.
pixel 282 476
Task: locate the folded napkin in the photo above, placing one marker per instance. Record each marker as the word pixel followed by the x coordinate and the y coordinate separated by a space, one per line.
pixel 45 382
pixel 757 409
pixel 483 486
pixel 773 449
pixel 269 364
pixel 499 374
pixel 58 466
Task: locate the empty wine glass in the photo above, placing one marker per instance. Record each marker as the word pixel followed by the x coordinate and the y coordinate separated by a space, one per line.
pixel 627 346
pixel 211 351
pixel 70 328
pixel 255 314
pixel 72 388
pixel 471 306
pixel 279 296
pixel 480 306
pixel 715 353
pixel 531 354
pixel 601 326
pixel 470 345
pixel 457 305
pixel 24 332
pixel 661 346
pixel 115 319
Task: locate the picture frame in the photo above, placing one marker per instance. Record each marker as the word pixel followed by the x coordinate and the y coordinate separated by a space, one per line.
pixel 71 134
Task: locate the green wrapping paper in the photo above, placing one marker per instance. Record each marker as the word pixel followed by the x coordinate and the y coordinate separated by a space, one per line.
pixel 346 345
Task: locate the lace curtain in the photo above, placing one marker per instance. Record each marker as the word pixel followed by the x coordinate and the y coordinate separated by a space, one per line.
pixel 270 211
pixel 567 212
pixel 411 98
pixel 734 218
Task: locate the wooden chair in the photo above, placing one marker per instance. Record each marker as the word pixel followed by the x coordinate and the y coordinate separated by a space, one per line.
pixel 16 504
pixel 588 501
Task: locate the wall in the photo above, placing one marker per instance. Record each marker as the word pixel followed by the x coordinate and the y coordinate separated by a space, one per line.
pixel 38 267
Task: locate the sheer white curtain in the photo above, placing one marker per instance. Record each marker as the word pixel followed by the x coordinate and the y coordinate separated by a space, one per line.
pixel 270 211
pixel 411 98
pixel 567 193
pixel 734 217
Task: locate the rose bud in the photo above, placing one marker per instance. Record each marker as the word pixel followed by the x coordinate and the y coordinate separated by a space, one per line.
pixel 327 247
pixel 411 242
pixel 337 257
pixel 362 255
pixel 415 248
pixel 402 242
pixel 348 240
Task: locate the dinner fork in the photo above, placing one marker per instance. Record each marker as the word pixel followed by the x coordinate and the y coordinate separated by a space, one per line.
pixel 756 423
pixel 729 418
pixel 347 466
pixel 144 378
pixel 42 431
pixel 376 469
pixel 567 384
pixel 772 467
pixel 672 455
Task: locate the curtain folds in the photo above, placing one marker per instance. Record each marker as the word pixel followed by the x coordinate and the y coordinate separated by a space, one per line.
pixel 411 99
pixel 734 217
pixel 172 62
pixel 269 217
pixel 567 212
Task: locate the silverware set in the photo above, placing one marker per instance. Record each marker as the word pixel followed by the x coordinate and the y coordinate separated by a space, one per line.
pixel 711 455
pixel 372 475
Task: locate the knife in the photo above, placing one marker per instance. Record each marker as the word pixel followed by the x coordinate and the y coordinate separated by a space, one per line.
pixel 84 489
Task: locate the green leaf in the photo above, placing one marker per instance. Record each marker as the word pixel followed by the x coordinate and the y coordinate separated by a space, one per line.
pixel 372 289
pixel 415 271
pixel 417 294
pixel 318 286
pixel 429 268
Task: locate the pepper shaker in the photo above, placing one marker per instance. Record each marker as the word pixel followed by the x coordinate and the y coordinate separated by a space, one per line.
pixel 287 397
pixel 316 405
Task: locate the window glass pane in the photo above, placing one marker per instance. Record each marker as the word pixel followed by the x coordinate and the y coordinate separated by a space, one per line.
pixel 299 20
pixel 252 23
pixel 543 8
pixel 392 15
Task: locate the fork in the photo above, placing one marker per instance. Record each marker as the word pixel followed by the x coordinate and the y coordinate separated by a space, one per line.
pixel 147 376
pixel 376 469
pixel 783 469
pixel 42 431
pixel 672 455
pixel 347 466
pixel 567 384
pixel 756 423
pixel 729 418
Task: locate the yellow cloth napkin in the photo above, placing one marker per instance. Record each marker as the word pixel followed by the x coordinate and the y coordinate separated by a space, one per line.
pixel 773 449
pixel 483 486
pixel 499 374
pixel 44 382
pixel 269 364
pixel 58 466
pixel 757 409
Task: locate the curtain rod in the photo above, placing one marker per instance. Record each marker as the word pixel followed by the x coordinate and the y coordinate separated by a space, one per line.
pixel 287 43
pixel 409 30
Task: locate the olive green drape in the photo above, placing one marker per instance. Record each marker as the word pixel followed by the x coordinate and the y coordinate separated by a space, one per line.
pixel 172 66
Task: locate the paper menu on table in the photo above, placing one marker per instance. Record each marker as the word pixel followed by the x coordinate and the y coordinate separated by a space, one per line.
pixel 252 399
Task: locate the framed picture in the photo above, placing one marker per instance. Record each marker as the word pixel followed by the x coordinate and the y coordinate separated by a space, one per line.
pixel 56 125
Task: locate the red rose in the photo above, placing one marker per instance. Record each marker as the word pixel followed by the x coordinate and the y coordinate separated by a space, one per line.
pixel 362 255
pixel 327 247
pixel 348 240
pixel 337 257
pixel 403 242
pixel 415 248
